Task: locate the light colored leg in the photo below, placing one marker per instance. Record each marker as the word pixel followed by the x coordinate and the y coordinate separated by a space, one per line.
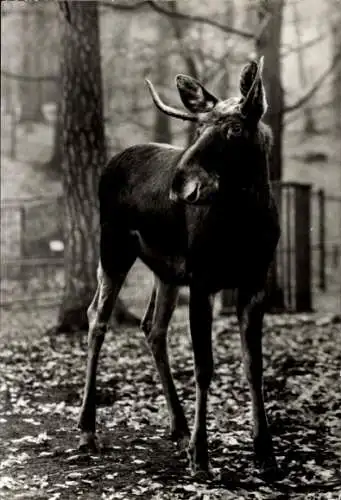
pixel 99 313
pixel 162 305
pixel 147 321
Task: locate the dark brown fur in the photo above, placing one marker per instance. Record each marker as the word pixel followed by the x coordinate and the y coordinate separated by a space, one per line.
pixel 203 217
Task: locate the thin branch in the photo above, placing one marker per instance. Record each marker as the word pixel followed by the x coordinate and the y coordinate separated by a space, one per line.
pixel 29 78
pixel 200 19
pixel 218 64
pixel 124 6
pixel 65 9
pixel 306 45
pixel 302 100
pixel 214 72
pixel 187 56
pixel 295 118
pixel 157 7
pixel 262 26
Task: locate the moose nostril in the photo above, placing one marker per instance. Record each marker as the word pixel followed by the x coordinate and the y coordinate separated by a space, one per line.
pixel 193 195
pixel 173 196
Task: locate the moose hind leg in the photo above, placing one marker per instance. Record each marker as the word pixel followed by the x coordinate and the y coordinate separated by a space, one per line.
pixel 250 311
pixel 163 304
pixel 99 312
pixel 147 321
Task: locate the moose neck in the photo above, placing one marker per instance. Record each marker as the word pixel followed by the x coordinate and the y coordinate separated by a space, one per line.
pixel 244 180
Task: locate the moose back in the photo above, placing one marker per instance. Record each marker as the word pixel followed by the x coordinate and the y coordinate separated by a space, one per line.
pixel 204 217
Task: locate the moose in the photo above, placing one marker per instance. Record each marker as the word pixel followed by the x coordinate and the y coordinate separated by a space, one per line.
pixel 204 217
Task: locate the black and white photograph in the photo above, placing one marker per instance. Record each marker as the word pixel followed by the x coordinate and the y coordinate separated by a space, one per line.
pixel 170 250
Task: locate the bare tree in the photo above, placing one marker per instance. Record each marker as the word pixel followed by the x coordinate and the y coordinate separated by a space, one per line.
pixel 224 83
pixel 84 156
pixel 32 19
pixel 335 22
pixel 166 9
pixel 162 125
pixel 54 164
pixel 268 44
pixel 309 122
pixel 180 26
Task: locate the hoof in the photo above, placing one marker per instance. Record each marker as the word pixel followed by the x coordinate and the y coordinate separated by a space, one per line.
pixel 199 464
pixel 265 460
pixel 88 443
pixel 182 443
pixel 146 326
pixel 269 470
pixel 203 475
pixel 181 438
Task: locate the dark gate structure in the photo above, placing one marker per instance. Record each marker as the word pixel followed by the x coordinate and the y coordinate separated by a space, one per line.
pixel 308 257
pixel 294 249
pixel 307 264
pixel 32 262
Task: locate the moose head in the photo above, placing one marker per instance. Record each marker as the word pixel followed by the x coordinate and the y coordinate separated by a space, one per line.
pixel 224 127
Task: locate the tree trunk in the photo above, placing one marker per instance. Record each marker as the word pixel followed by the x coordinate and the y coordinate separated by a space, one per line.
pixel 162 130
pixel 84 156
pixel 335 17
pixel 228 296
pixel 54 164
pixel 162 124
pixel 31 92
pixel 309 122
pixel 268 45
pixel 179 26
pixel 224 84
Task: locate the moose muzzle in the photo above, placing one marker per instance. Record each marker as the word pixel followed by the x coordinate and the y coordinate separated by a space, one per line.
pixel 194 185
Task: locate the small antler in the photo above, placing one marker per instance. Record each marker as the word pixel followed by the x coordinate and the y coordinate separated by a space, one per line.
pixel 169 110
pixel 252 89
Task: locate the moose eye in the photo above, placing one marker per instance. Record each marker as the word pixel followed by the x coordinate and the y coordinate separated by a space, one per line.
pixel 199 130
pixel 233 130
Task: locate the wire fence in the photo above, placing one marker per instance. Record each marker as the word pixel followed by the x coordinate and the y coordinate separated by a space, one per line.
pixel 308 260
pixel 32 260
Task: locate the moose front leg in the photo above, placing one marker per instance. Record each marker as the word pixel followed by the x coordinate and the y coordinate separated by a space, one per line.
pixel 250 311
pixel 155 325
pixel 200 312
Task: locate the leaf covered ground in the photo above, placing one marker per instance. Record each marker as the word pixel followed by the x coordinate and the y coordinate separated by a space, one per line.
pixel 41 382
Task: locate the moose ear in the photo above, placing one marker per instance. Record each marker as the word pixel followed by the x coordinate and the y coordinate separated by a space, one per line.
pixel 254 103
pixel 194 96
pixel 247 77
